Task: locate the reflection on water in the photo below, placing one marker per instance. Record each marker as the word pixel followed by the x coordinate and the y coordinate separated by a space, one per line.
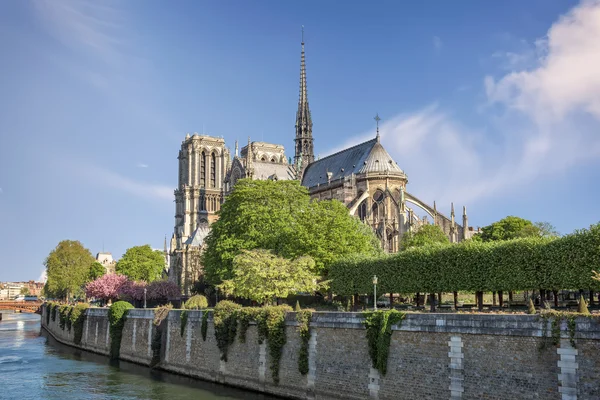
pixel 33 366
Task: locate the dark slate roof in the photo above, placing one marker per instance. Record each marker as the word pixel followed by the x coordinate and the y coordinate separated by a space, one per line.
pixel 197 238
pixel 369 156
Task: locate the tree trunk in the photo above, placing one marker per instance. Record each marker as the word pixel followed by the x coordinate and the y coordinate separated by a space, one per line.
pixel 391 300
pixel 480 301
pixel 510 296
pixel 493 299
pixel 455 295
pixel 355 302
pixel 555 294
pixel 439 298
pixel 432 302
pixel 591 297
pixel 417 300
pixel 542 297
pixel 500 299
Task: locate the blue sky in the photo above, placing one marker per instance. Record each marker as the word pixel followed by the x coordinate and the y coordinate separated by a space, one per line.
pixel 492 105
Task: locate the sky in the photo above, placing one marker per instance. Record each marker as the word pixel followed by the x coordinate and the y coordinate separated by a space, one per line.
pixel 491 105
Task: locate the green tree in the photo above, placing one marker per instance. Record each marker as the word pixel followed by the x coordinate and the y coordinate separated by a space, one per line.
pixel 279 216
pixel 141 263
pixel 24 291
pixel 546 230
pixel 513 227
pixel 96 271
pixel 508 228
pixel 68 269
pixel 426 235
pixel 262 276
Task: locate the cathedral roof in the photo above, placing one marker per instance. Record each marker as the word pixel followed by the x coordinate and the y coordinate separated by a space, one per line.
pixel 199 235
pixel 367 157
pixel 269 170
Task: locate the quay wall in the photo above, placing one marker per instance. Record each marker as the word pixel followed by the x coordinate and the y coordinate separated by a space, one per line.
pixel 431 356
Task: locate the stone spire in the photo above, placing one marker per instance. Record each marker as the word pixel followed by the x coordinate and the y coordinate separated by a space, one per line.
pixel 465 223
pixel 304 139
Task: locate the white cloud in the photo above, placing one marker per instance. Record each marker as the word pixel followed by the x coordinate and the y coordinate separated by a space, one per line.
pixel 548 121
pixel 437 43
pixel 142 165
pixel 566 78
pixel 101 177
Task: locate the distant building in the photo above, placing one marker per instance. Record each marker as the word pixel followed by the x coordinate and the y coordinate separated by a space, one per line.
pixel 106 259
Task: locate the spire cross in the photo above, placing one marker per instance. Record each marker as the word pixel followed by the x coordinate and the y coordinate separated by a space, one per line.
pixel 302 34
pixel 377 119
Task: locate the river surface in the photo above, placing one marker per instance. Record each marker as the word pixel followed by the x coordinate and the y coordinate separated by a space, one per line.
pixel 34 366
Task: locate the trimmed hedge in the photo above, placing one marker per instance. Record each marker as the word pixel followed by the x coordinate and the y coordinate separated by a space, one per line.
pixel 522 264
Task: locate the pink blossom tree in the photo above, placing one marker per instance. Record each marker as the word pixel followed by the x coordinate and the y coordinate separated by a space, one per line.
pixel 161 291
pixel 106 287
pixel 132 290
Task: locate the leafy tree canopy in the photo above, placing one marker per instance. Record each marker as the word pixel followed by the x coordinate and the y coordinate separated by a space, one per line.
pixel 513 227
pixel 262 276
pixel 141 263
pixel 426 235
pixel 24 291
pixel 279 216
pixel 96 271
pixel 68 268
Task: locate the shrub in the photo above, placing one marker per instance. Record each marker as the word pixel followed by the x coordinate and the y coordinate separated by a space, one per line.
pixel 116 316
pixel 77 318
pixel 225 322
pixel 582 307
pixel 531 309
pixel 196 302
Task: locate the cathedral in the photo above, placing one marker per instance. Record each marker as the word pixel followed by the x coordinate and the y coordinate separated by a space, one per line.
pixel 363 177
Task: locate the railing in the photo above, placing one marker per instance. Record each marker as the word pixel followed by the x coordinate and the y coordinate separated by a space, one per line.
pixel 21 306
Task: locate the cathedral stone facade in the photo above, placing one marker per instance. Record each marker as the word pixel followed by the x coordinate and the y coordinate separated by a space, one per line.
pixel 363 177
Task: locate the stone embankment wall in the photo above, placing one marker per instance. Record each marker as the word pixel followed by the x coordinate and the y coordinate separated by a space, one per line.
pixel 431 356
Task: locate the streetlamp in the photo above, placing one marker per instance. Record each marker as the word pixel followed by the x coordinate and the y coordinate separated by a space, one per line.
pixel 375 292
pixel 144 297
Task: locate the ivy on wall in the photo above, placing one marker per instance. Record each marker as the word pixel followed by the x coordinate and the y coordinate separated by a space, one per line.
pixel 522 264
pixel 184 319
pixel 379 334
pixel 204 326
pixel 116 317
pixel 160 315
pixel 303 317
pixel 77 318
pixel 225 322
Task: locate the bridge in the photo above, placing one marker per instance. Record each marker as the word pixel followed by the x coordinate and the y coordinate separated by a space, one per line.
pixel 21 306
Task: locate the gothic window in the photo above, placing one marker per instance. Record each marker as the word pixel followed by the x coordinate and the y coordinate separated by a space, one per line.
pixel 213 170
pixel 362 210
pixel 263 158
pixel 375 213
pixel 202 169
pixel 273 159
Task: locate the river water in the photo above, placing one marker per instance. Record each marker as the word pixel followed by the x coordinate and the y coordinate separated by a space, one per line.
pixel 34 366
